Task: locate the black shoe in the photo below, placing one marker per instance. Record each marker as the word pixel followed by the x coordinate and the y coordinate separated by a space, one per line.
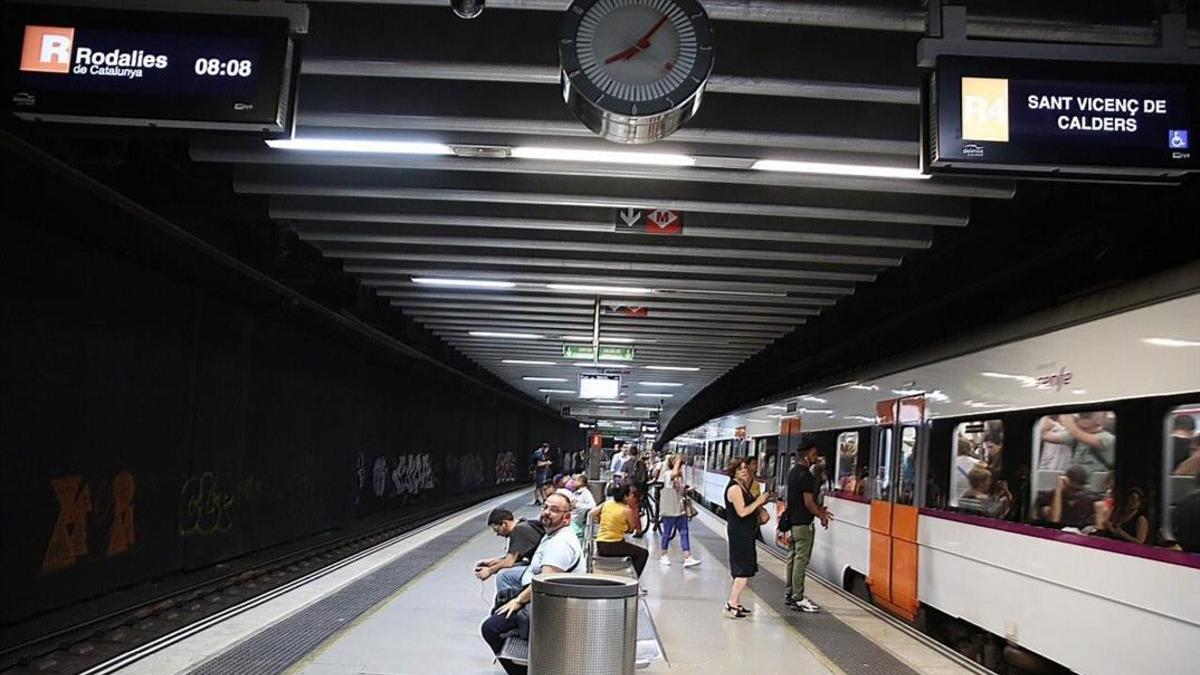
pixel 791 604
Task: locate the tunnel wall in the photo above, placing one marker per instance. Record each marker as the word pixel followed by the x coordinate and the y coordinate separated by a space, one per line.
pixel 150 426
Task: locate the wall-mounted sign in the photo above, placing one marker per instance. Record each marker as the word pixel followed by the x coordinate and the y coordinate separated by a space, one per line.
pixel 106 66
pixel 607 352
pixel 1023 116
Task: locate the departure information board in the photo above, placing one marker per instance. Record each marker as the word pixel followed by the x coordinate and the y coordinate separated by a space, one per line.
pixel 997 115
pixel 149 68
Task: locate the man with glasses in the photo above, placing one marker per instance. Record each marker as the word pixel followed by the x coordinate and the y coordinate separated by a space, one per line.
pixel 559 551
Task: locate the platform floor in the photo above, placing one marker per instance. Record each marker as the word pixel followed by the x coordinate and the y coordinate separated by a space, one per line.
pixel 416 608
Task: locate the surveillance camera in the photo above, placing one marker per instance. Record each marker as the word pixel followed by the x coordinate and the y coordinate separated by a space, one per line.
pixel 467 9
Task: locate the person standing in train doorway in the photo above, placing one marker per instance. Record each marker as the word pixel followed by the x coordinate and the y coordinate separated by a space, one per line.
pixel 802 509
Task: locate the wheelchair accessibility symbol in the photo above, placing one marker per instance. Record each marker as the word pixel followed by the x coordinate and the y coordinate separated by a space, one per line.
pixel 1177 139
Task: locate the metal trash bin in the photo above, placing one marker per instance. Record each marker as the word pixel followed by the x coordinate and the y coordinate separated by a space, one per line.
pixel 584 624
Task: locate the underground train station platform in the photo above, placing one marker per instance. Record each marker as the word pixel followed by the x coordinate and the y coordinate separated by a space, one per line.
pixel 415 607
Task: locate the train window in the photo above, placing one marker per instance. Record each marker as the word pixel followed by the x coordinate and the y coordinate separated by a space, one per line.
pixel 908 469
pixel 881 485
pixel 1181 463
pixel 846 468
pixel 1074 457
pixel 976 466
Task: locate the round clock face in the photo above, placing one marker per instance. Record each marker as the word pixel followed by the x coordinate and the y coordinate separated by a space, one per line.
pixel 635 59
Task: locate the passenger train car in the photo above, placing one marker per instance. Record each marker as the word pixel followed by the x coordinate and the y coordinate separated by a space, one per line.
pixel 994 498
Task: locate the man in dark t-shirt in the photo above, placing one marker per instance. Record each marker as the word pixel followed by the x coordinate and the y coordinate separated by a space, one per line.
pixel 523 539
pixel 1069 503
pixel 802 509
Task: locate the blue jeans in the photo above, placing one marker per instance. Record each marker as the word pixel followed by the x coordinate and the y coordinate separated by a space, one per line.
pixel 669 526
pixel 508 583
pixel 494 630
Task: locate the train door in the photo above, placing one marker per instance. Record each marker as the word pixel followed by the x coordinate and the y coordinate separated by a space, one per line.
pixel 895 466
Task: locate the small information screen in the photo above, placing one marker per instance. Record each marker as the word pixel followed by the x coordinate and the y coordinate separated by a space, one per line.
pixel 1014 115
pixel 124 67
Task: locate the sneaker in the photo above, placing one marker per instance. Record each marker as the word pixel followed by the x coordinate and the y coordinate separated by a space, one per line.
pixel 791 604
pixel 807 605
pixel 690 562
pixel 666 562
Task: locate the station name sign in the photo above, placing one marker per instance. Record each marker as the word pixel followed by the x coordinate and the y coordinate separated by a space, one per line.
pixel 108 66
pixel 1021 116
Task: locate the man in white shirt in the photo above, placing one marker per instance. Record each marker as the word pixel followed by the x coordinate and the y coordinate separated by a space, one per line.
pixel 618 459
pixel 559 552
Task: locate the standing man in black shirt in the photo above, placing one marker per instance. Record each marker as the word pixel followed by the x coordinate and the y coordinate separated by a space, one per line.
pixel 802 508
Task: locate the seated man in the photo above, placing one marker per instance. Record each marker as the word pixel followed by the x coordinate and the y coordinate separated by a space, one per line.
pixel 523 538
pixel 1069 503
pixel 559 551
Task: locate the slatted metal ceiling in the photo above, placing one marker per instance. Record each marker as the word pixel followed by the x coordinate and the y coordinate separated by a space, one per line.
pixel 761 252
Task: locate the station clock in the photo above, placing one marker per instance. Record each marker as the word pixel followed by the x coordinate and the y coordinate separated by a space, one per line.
pixel 633 71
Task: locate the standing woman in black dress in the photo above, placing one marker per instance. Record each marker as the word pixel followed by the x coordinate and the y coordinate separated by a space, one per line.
pixel 741 516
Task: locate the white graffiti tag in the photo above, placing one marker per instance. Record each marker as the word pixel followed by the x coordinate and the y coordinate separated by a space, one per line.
pixel 412 474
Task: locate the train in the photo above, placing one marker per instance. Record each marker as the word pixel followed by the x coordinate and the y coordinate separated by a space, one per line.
pixel 1010 494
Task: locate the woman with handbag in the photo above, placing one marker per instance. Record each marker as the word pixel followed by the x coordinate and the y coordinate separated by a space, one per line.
pixel 743 514
pixel 673 512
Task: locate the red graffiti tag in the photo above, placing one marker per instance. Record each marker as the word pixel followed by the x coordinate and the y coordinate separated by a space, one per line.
pixel 68 541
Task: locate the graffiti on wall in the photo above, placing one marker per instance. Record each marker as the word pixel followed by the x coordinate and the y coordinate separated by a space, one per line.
pixel 69 536
pixel 406 475
pixel 506 468
pixel 204 508
pixel 470 471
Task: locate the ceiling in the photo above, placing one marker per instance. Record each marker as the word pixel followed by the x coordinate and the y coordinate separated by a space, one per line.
pixel 760 253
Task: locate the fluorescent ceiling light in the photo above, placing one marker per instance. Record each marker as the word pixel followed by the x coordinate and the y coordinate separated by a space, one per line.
pixel 646 408
pixel 523 362
pixel 351 145
pixel 584 425
pixel 601 364
pixel 817 411
pixel 611 407
pixel 755 419
pixel 589 288
pixel 1170 342
pixel 682 369
pixel 557 391
pixel 1078 392
pixel 604 400
pixel 607 156
pixel 937 396
pixel 660 384
pixel 588 338
pixel 544 379
pixel 654 395
pixel 463 283
pixel 865 387
pixel 514 336
pixel 814 399
pixel 907 392
pixel 838 169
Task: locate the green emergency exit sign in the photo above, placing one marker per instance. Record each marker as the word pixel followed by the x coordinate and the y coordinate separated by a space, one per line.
pixel 607 352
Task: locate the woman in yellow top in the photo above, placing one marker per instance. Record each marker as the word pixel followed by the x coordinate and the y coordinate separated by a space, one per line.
pixel 616 520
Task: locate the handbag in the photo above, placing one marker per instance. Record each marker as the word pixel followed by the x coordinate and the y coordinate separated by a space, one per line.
pixel 689 509
pixel 763 516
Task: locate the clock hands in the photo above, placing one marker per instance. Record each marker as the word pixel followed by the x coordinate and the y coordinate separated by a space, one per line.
pixel 643 43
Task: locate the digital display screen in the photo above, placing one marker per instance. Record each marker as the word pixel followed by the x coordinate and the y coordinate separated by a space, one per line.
pixel 599 386
pixel 142 68
pixel 1020 115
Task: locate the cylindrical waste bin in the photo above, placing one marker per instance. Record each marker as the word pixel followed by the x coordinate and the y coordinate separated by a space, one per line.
pixel 584 624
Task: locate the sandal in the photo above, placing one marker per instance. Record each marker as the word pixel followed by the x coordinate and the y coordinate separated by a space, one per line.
pixel 743 610
pixel 733 612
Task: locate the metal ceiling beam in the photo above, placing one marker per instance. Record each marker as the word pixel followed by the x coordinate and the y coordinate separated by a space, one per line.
pixel 729 289
pixel 553 349
pixel 756 334
pixel 707 170
pixel 369 221
pixel 520 310
pixel 659 309
pixel 694 270
pixel 319 119
pixel 548 74
pixel 950 217
pixel 749 321
pixel 880 18
pixel 784 305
